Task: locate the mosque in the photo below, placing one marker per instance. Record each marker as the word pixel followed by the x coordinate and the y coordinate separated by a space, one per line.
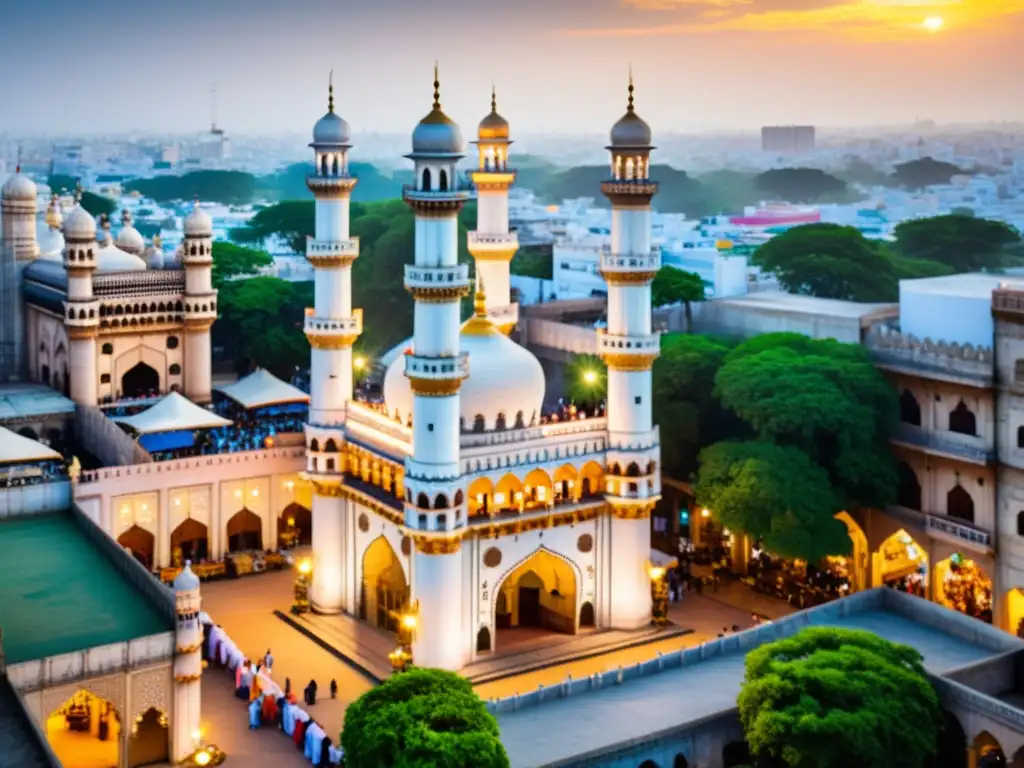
pixel 452 502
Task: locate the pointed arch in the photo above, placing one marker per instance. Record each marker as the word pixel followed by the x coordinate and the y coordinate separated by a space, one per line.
pixel 910 409
pixel 908 489
pixel 426 185
pixel 959 504
pixel 384 590
pixel 962 420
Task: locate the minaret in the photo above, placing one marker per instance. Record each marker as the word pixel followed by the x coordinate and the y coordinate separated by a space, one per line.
pixel 81 310
pixel 18 204
pixel 200 303
pixel 332 327
pixel 188 665
pixel 17 248
pixel 492 245
pixel 434 503
pixel 629 347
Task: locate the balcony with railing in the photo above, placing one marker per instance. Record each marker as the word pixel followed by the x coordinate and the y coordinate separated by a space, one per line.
pixel 621 344
pixel 437 368
pixel 332 326
pixel 153 282
pixel 954 445
pixel 324 248
pixel 412 193
pixel 455 276
pixel 630 262
pixel 481 241
pixel 958 532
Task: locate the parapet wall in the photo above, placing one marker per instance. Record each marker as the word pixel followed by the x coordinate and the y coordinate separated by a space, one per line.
pixel 891 347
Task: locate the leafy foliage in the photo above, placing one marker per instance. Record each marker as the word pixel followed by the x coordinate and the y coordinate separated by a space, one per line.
pixel 773 493
pixel 422 718
pixel 230 260
pixel 290 183
pixel 61 183
pixel 918 174
pixel 839 698
pixel 800 185
pixel 822 397
pixel 672 286
pixel 293 221
pixel 586 380
pixel 220 186
pixel 533 261
pixel 98 205
pixel 961 243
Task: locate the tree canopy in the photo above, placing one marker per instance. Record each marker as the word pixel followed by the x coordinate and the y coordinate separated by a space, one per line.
pixel 775 494
pixel 673 286
pixel 228 187
pixel 293 221
pixel 98 205
pixel 918 174
pixel 533 261
pixel 962 243
pixel 230 260
pixel 839 698
pixel 800 185
pixel 422 718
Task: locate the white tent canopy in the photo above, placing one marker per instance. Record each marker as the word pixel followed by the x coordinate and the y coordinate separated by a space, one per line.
pixel 260 389
pixel 172 413
pixel 18 449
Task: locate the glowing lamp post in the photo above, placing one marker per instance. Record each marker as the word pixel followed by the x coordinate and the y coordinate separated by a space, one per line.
pixel 659 595
pixel 401 658
pixel 590 378
pixel 301 604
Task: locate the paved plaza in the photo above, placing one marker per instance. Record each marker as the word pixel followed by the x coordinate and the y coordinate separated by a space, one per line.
pixel 245 608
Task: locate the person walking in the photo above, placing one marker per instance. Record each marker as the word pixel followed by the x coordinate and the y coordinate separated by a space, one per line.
pixel 334 688
pixel 268 661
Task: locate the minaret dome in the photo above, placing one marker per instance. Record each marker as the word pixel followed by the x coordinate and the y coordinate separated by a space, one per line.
pixel 198 223
pixel 630 132
pixel 80 226
pixel 437 134
pixel 331 129
pixel 19 187
pixel 493 127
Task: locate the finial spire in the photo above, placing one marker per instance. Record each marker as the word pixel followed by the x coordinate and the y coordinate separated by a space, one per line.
pixel 437 88
pixel 494 99
pixel 330 92
pixel 17 167
pixel 629 104
pixel 78 191
pixel 480 299
pixel 126 217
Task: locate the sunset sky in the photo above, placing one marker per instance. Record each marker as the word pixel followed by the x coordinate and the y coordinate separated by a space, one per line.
pixel 560 66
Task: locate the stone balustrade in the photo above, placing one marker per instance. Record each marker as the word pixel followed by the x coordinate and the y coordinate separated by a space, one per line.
pixel 891 348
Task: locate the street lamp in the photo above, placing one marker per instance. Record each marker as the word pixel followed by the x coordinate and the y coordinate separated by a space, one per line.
pixel 659 595
pixel 590 377
pixel 401 658
pixel 302 577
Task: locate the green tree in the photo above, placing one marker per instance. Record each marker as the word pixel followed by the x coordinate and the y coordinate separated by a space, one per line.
pixel 822 397
pixel 963 243
pixel 290 183
pixel 773 493
pixel 830 261
pixel 261 321
pixel 98 205
pixel 586 381
pixel 861 172
pixel 533 261
pixel 672 286
pixel 293 221
pixel 422 718
pixel 213 186
pixel 926 172
pixel 800 185
pixel 61 183
pixel 839 698
pixel 730 190
pixel 689 416
pixel 230 260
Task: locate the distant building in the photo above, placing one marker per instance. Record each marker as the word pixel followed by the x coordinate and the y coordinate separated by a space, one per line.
pixel 788 139
pixel 67 160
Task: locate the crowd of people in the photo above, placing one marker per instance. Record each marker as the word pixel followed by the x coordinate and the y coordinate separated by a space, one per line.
pixel 269 705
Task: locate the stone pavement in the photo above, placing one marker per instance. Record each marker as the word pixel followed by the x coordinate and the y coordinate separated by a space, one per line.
pixel 738 594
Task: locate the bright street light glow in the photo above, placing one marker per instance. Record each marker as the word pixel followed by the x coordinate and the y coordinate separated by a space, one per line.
pixel 933 23
pixel 359 363
pixel 590 377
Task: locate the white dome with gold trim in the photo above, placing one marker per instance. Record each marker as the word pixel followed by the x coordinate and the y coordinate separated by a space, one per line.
pixel 505 379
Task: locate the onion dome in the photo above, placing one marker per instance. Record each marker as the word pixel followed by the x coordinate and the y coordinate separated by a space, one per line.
pixel 19 187
pixel 129 239
pixel 494 127
pixel 79 225
pixel 631 132
pixel 186 581
pixel 505 380
pixel 198 223
pixel 331 128
pixel 437 134
pixel 154 254
pixel 110 258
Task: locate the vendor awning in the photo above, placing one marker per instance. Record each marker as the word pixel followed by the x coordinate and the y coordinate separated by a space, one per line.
pixel 261 389
pixel 172 413
pixel 18 449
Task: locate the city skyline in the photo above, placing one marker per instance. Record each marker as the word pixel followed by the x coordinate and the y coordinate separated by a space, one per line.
pixel 559 68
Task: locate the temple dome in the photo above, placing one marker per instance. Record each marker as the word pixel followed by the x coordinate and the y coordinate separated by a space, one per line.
pixel 79 225
pixel 331 129
pixel 631 132
pixel 437 134
pixel 19 187
pixel 504 379
pixel 130 239
pixel 198 223
pixel 110 258
pixel 186 581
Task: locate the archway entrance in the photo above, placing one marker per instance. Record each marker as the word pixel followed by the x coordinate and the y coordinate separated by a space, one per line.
pixel 537 596
pixel 141 543
pixel 140 380
pixel 84 732
pixel 901 563
pixel 988 750
pixel 384 591
pixel 295 527
pixel 148 742
pixel 964 586
pixel 245 531
pixel 854 567
pixel 190 541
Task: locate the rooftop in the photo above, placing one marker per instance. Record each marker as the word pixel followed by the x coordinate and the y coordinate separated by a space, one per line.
pixel 591 722
pixel 61 594
pixel 811 305
pixel 23 401
pixel 973 285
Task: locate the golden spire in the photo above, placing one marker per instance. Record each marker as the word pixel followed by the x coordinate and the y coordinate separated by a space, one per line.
pixel 437 88
pixel 494 100
pixel 330 92
pixel 629 104
pixel 480 324
pixel 480 299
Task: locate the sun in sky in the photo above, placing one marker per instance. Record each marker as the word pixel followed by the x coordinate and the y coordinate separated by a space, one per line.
pixel 933 23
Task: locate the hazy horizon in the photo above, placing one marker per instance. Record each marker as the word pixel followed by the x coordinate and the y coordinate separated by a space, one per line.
pixel 560 66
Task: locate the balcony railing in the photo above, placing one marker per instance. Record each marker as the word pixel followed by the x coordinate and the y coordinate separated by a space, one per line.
pixel 610 343
pixel 149 283
pixel 498 241
pixel 339 326
pixel 422 367
pixel 958 530
pixel 627 262
pixel 347 247
pixel 965 447
pixel 891 349
pixel 455 276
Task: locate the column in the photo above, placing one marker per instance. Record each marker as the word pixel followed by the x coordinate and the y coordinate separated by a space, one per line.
pixel 326 591
pixel 437 577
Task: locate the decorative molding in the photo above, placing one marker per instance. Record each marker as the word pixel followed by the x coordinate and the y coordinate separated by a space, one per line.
pixel 434 545
pixel 438 294
pixel 627 278
pixel 187 678
pixel 324 341
pixel 640 510
pixel 629 363
pixel 110 688
pixel 82 334
pixel 151 689
pixel 330 488
pixel 885 338
pixel 198 324
pixel 504 254
pixel 186 649
pixel 335 261
pixel 435 209
pixel 515 527
pixel 434 387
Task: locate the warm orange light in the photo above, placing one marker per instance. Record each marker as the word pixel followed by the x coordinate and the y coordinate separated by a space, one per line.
pixel 933 23
pixel 305 567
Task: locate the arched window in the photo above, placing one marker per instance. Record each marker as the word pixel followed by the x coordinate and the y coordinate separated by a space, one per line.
pixel 108 349
pixel 441 501
pixel 330 446
pixel 908 491
pixel 959 504
pixel 633 470
pixel 426 180
pixel 334 166
pixel 458 497
pixel 962 420
pixel 442 180
pixel 423 501
pixel 910 409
